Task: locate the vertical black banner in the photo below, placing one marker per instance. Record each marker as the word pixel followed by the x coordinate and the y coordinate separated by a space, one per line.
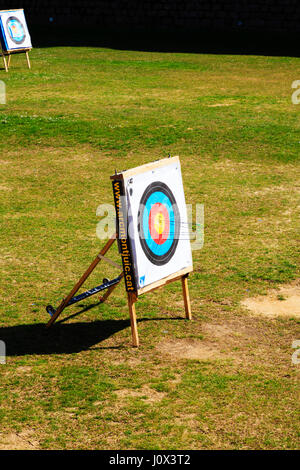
pixel 122 233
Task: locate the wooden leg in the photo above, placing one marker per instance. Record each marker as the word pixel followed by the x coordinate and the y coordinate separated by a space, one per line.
pixel 28 61
pixel 8 61
pixel 5 64
pixel 134 332
pixel 83 278
pixel 186 297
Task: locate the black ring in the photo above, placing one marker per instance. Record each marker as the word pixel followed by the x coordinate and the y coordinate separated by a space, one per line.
pixel 158 260
pixel 16 19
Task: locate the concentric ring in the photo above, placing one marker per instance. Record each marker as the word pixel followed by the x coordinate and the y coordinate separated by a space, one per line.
pixel 15 30
pixel 158 223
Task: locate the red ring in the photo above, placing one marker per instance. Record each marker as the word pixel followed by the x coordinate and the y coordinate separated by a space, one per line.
pixel 159 238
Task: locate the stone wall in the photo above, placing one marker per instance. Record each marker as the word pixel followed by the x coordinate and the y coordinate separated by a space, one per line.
pixel 166 15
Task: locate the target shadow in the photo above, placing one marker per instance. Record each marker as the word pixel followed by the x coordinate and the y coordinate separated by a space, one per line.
pixel 35 339
pixel 65 338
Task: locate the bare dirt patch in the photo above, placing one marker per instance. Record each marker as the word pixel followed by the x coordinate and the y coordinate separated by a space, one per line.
pixel 23 370
pixel 283 302
pixel 240 339
pixel 18 441
pixel 216 105
pixel 189 348
pixel 131 361
pixel 275 189
pixel 5 188
pixel 148 394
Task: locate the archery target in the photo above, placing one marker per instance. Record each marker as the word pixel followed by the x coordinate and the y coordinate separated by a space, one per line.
pixel 14 30
pixel 158 225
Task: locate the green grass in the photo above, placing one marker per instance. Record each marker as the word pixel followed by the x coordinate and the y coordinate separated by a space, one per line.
pixel 78 115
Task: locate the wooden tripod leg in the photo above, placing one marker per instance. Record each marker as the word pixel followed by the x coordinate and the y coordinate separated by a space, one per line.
pixel 186 297
pixel 8 61
pixel 134 332
pixel 5 63
pixel 83 278
pixel 28 60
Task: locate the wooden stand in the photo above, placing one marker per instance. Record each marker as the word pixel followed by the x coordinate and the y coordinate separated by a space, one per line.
pixel 132 296
pixel 186 297
pixel 83 278
pixel 7 56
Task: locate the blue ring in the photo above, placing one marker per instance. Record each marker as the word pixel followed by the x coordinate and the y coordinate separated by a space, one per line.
pixel 158 197
pixel 16 39
pixel 158 192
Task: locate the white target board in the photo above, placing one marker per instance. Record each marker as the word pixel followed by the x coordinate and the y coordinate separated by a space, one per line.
pixel 158 242
pixel 14 33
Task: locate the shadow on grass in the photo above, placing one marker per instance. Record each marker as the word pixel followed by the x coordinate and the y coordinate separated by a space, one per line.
pixel 63 338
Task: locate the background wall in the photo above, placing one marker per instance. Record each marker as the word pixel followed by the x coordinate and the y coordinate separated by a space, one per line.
pixel 166 15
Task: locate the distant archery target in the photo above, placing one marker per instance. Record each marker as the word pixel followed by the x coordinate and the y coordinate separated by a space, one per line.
pixel 14 33
pixel 15 30
pixel 158 223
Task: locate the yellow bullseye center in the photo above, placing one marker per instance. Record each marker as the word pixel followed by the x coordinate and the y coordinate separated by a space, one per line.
pixel 159 223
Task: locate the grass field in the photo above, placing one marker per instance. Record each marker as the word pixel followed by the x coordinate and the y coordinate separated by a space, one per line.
pixel 225 379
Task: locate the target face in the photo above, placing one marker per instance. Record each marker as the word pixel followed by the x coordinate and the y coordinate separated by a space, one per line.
pixel 13 30
pixel 158 223
pixel 158 243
